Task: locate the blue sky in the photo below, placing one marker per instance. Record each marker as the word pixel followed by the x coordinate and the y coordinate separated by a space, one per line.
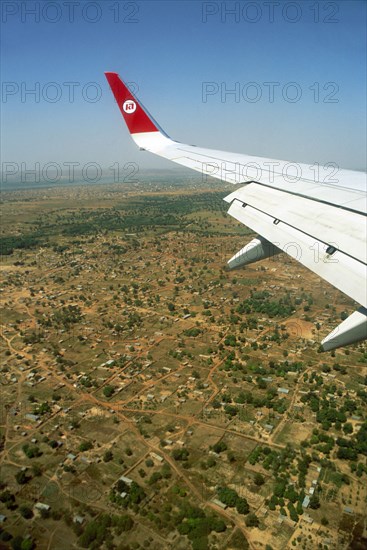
pixel 312 52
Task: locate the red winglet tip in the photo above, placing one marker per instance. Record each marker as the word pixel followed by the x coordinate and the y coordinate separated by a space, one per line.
pixel 137 120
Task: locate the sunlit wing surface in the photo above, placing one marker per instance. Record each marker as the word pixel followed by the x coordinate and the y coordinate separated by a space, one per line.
pixel 317 215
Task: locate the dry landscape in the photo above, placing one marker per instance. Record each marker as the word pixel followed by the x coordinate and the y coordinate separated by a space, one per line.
pixel 151 399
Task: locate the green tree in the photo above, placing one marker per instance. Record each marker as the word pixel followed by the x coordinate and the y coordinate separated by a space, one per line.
pixel 242 506
pixel 108 456
pixel 25 512
pixel 292 512
pixel 348 428
pixel 259 479
pixel 108 391
pixel 314 501
pixel 85 446
pixel 252 520
pixel 180 454
pixel 22 477
pixel 228 496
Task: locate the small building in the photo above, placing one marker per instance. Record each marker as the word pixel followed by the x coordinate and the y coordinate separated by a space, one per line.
pixel 42 506
pixel 71 456
pixel 126 480
pixel 2 518
pixel 283 390
pixel 156 457
pixel 33 417
pixel 219 503
pixel 78 519
pixel 306 502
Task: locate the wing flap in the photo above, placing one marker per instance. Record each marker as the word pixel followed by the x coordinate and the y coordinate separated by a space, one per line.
pixel 344 272
pixel 334 226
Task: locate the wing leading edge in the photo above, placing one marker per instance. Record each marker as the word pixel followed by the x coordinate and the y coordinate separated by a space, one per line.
pixel 316 215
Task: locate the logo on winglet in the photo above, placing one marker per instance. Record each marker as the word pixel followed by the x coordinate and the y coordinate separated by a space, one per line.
pixel 129 106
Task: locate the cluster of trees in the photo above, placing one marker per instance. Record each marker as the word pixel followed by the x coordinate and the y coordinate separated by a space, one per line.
pixel 285 494
pixel 180 354
pixel 7 498
pixel 193 332
pixel 134 494
pixel 137 213
pixel 328 414
pixel 349 449
pixel 24 242
pixel 100 530
pixel 275 369
pixel 31 451
pixel 164 473
pixel 133 320
pixel 270 400
pixel 230 498
pixel 197 526
pixel 64 317
pixel 180 454
pixel 18 542
pixel 67 316
pixel 219 447
pixel 34 337
pixel 359 468
pixel 230 340
pixel 262 302
pixel 282 492
pixel 43 408
pixel 85 446
pixel 322 442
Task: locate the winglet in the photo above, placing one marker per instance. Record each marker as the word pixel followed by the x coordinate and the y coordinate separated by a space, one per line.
pixel 136 117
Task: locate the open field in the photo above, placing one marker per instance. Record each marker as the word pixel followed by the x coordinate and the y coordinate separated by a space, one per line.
pixel 127 349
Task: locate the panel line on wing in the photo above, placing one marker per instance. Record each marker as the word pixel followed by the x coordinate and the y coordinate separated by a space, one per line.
pixel 360 255
pixel 344 272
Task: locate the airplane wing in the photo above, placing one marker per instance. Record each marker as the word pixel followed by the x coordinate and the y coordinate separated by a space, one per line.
pixel 317 215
